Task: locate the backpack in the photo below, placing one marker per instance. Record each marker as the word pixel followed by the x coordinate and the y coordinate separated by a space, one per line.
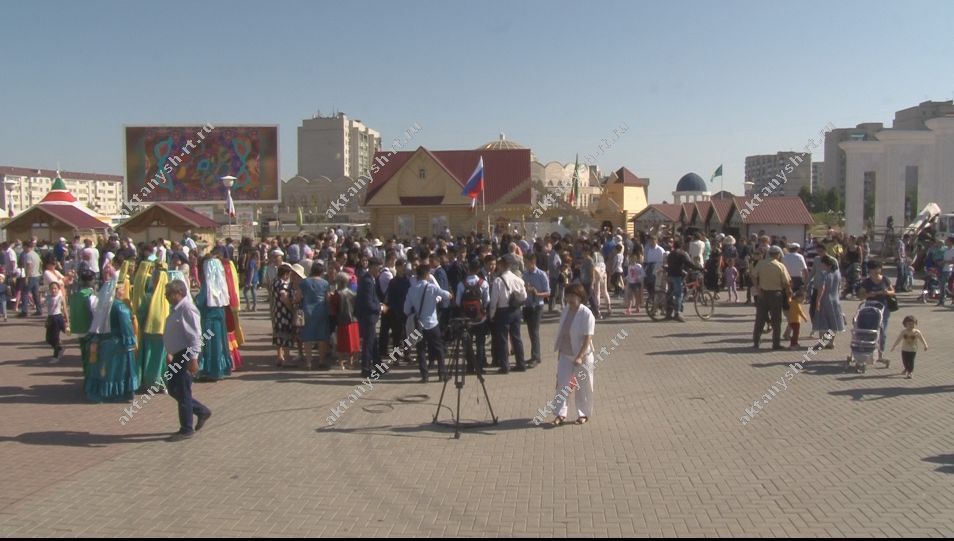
pixel 514 299
pixel 471 304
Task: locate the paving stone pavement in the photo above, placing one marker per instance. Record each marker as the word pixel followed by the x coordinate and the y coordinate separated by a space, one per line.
pixel 834 454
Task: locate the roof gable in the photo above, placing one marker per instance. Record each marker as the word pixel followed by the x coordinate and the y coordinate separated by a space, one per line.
pixel 774 210
pixel 504 170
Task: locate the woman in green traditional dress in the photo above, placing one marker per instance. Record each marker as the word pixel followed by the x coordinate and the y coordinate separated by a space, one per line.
pixel 81 313
pixel 112 375
pixel 152 311
pixel 216 361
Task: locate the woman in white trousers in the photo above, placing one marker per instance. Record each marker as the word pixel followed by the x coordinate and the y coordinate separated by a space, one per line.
pixel 574 345
pixel 600 285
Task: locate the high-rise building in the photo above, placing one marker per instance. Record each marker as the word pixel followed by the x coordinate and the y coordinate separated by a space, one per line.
pixel 783 173
pixel 335 146
pixel 817 175
pixel 26 186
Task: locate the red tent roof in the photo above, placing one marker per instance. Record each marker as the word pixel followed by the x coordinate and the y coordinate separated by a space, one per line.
pixel 73 216
pixel 188 214
pixel 775 210
pixel 504 170
pixel 669 210
pixel 721 208
pixel 58 193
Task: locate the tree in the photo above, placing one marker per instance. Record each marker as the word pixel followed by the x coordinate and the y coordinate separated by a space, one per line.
pixel 806 195
pixel 833 200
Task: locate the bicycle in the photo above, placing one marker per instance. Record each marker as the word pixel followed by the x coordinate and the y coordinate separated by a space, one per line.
pixel 703 300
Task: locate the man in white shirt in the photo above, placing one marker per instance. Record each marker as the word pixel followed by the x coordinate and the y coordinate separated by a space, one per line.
pixel 654 257
pixel 507 295
pixel 697 250
pixel 91 254
pixel 797 267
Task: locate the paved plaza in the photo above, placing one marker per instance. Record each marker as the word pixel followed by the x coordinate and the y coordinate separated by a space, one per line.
pixel 665 454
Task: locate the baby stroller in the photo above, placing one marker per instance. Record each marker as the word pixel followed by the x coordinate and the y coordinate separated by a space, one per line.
pixel 865 337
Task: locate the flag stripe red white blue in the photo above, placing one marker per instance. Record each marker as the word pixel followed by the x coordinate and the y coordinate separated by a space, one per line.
pixel 475 184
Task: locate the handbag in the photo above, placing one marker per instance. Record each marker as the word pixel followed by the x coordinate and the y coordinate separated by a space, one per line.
pixel 893 304
pixel 414 322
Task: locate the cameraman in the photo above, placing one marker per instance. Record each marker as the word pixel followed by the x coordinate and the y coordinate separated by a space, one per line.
pixel 473 297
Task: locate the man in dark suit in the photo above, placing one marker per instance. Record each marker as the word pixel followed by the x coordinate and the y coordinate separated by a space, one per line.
pixel 368 310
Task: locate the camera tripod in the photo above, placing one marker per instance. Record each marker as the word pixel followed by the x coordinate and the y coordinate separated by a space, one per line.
pixel 460 350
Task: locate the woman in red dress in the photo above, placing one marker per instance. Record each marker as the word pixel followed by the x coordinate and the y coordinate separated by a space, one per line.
pixel 349 341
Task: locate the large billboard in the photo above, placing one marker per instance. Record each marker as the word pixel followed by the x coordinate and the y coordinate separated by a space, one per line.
pixel 187 163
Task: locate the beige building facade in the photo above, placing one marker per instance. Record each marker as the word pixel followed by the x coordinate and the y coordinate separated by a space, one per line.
pixel 24 187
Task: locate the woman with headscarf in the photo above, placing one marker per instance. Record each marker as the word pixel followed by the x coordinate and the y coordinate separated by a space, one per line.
pixel 283 314
pixel 152 310
pixel 212 300
pixel 828 316
pixel 233 325
pixel 82 303
pixel 112 374
pixel 314 294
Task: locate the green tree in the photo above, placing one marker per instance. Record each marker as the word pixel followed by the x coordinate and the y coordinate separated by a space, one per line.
pixel 833 200
pixel 808 198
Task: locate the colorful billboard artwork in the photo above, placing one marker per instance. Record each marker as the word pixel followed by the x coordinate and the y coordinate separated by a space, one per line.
pixel 187 163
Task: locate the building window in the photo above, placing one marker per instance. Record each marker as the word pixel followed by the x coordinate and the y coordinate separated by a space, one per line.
pixel 421 173
pixel 870 185
pixel 910 193
pixel 404 226
pixel 438 223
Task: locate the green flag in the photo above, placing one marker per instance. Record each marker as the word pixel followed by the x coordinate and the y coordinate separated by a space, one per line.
pixel 301 218
pixel 718 173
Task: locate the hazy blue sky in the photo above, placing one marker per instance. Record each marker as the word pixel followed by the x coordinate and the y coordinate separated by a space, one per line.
pixel 698 83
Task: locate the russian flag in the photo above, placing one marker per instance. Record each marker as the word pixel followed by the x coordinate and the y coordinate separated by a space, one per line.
pixel 475 185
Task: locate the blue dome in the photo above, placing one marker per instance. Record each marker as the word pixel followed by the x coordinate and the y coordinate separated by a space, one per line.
pixel 691 182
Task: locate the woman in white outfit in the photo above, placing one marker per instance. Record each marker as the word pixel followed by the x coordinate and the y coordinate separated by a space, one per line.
pixel 574 344
pixel 600 287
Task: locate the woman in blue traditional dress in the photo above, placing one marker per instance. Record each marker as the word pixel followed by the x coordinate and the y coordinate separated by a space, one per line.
pixel 314 294
pixel 112 375
pixel 828 315
pixel 215 362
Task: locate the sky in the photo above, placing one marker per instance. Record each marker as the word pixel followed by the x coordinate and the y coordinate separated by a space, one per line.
pixel 697 84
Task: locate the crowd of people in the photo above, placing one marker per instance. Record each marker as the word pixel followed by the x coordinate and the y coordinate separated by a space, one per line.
pixel 340 298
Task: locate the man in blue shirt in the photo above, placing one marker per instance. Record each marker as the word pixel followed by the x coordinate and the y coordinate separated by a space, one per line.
pixel 368 310
pixel 538 290
pixel 555 264
pixel 422 302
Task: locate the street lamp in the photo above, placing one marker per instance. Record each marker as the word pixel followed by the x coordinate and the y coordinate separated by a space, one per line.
pixel 228 181
pixel 9 186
